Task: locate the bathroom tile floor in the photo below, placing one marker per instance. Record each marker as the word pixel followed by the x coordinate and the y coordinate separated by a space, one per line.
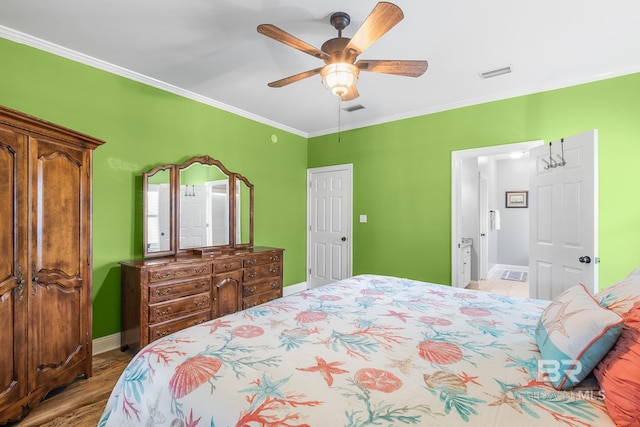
pixel 496 284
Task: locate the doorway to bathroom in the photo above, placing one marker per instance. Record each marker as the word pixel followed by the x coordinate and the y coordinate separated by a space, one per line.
pixel 499 238
pixel 543 214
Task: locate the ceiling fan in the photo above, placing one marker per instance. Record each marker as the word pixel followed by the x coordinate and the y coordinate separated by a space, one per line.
pixel 341 70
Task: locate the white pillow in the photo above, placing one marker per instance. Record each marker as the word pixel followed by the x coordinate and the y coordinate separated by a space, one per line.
pixel 621 296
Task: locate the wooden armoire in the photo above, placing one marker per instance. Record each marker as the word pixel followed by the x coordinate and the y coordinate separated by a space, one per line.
pixel 45 259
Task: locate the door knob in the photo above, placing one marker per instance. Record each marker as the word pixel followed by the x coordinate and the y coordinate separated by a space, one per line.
pixel 585 259
pixel 344 239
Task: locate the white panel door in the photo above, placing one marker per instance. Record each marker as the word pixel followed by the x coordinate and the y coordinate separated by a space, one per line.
pixel 218 212
pixel 193 216
pixel 563 204
pixel 164 222
pixel 329 225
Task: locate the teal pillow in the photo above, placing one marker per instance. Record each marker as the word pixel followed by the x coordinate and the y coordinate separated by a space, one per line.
pixel 573 334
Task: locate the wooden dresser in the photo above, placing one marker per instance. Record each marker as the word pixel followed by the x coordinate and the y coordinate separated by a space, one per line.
pixel 163 295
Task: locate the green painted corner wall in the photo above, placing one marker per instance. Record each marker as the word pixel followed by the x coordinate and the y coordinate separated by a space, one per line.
pixel 409 210
pixel 402 173
pixel 144 127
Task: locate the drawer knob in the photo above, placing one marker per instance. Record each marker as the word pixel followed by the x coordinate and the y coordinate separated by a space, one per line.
pixel 163 333
pixel 274 270
pixel 252 274
pixel 199 303
pixel 161 293
pixel 252 261
pixel 200 285
pixel 162 313
pixel 160 276
pixel 251 289
pixel 200 270
pixel 274 258
pixel 197 322
pixel 275 284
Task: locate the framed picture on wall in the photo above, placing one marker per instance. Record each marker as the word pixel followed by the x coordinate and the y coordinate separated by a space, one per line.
pixel 516 199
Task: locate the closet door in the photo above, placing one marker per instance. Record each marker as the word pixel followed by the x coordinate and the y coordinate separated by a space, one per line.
pixel 13 275
pixel 60 291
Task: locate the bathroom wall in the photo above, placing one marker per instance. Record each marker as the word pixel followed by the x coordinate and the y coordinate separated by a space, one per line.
pixel 513 237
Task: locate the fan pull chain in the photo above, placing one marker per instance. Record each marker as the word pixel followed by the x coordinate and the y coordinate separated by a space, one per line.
pixel 339 119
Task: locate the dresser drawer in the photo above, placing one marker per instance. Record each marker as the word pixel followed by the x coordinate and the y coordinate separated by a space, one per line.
pixel 262 271
pixel 160 330
pixel 255 288
pixel 249 302
pixel 165 273
pixel 170 291
pixel 224 265
pixel 259 259
pixel 178 307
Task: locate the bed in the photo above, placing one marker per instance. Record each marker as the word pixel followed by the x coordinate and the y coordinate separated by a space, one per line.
pixel 368 350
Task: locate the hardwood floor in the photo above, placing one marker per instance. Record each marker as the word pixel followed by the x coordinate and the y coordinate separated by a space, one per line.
pixel 82 402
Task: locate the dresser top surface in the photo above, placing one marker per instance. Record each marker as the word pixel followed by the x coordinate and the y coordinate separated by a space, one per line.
pixel 188 259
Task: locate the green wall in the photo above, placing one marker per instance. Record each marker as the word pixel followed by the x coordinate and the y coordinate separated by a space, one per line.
pixel 402 173
pixel 144 127
pixel 402 170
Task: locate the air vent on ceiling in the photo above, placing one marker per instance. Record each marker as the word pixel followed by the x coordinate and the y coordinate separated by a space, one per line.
pixel 353 108
pixel 496 72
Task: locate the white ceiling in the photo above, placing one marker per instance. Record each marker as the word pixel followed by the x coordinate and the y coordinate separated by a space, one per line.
pixel 210 50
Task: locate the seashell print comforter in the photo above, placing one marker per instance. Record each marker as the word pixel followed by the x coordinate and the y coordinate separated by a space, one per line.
pixel 368 350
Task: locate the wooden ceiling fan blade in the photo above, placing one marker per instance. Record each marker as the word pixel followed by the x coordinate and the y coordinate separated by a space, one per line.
pixel 295 78
pixel 400 68
pixel 382 18
pixel 282 36
pixel 351 94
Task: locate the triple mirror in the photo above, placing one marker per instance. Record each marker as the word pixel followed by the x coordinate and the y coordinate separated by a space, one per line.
pixel 195 205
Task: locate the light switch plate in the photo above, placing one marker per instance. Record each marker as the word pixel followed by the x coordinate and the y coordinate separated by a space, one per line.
pixel 363 218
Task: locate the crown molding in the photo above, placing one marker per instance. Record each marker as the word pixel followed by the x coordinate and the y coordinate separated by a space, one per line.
pixel 37 43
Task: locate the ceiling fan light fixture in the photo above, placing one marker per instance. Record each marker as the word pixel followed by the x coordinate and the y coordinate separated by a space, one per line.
pixel 339 77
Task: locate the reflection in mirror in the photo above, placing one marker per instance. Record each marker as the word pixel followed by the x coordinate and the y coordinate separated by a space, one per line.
pixel 204 206
pixel 243 212
pixel 158 201
pixel 196 207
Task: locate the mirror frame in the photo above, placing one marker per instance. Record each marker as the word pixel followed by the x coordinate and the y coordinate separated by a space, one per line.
pixel 232 215
pixel 145 210
pixel 174 211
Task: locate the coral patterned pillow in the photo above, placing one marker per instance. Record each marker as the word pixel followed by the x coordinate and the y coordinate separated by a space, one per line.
pixel 619 373
pixel 621 296
pixel 573 334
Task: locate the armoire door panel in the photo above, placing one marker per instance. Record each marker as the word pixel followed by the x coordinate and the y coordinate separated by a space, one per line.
pixel 57 292
pixel 8 189
pixel 57 188
pixel 12 381
pixel 13 277
pixel 55 308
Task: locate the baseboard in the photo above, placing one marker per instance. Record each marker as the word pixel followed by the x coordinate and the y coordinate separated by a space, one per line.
pixel 111 342
pixel 108 343
pixel 524 268
pixel 294 289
